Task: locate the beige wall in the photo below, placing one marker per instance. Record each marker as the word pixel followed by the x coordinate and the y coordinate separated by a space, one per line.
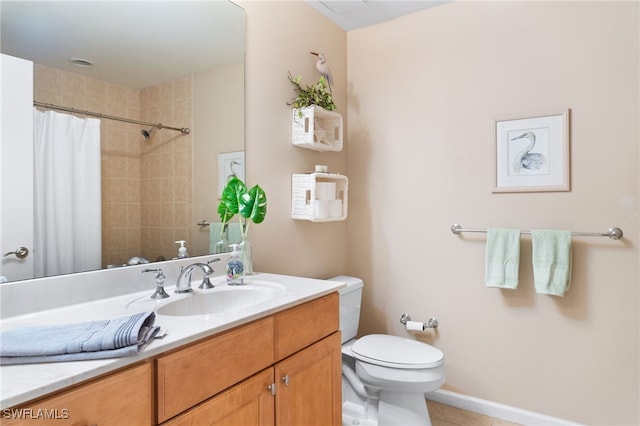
pixel 422 92
pixel 218 122
pixel 280 36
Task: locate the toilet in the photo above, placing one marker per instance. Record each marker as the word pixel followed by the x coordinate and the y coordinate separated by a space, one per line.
pixel 384 377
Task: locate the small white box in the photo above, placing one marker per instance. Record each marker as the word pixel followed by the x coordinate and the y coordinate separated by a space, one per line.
pixel 316 128
pixel 304 199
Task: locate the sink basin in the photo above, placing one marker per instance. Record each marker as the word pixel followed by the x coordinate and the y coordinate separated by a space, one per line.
pixel 222 299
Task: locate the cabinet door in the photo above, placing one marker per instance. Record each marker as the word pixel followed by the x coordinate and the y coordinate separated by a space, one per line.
pixel 193 374
pixel 117 399
pixel 300 326
pixel 310 387
pixel 249 403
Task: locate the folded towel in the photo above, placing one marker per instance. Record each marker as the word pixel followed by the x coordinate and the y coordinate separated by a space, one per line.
pixel 79 341
pixel 502 259
pixel 551 261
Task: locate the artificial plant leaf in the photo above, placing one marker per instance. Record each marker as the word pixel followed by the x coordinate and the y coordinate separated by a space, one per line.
pixel 316 94
pixel 232 194
pixel 254 204
pixel 224 212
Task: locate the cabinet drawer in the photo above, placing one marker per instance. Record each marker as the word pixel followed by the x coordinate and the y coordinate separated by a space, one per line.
pixel 299 327
pixel 120 398
pixel 247 403
pixel 191 375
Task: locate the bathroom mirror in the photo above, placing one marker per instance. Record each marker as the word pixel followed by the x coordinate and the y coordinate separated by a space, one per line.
pixel 142 46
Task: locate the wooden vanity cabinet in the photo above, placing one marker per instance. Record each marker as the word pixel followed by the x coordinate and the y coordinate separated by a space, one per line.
pixel 190 375
pixel 245 404
pixel 301 386
pixel 309 371
pixel 282 370
pixel 123 397
pixel 302 325
pixel 309 391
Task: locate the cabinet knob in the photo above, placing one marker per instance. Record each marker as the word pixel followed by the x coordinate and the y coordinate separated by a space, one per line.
pixel 272 388
pixel 285 380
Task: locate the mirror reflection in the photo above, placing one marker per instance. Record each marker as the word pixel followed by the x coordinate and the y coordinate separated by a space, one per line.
pixel 157 186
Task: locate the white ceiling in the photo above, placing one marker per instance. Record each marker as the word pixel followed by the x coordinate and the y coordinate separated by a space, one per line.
pixel 142 43
pixel 353 14
pixel 134 43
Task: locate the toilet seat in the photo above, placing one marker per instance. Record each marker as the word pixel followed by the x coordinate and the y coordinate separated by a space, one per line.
pixel 396 352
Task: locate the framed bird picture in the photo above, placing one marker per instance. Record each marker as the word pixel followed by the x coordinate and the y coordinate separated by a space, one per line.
pixel 531 152
pixel 230 164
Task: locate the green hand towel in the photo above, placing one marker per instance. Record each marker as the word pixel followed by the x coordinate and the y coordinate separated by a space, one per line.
pixel 551 261
pixel 232 235
pixel 502 260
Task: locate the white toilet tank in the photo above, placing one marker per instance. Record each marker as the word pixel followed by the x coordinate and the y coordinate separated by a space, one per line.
pixel 350 300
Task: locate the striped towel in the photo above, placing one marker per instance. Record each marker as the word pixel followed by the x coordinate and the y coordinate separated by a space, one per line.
pixel 101 339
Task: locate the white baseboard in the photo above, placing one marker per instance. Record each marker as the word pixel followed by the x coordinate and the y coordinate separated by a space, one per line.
pixel 493 409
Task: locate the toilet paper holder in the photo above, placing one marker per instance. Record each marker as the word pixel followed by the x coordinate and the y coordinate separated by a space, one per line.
pixel 405 320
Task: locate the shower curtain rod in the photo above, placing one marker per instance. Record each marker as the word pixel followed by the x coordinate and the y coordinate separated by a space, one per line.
pixel 184 130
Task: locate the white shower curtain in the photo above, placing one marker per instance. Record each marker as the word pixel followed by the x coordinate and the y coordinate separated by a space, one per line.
pixel 67 201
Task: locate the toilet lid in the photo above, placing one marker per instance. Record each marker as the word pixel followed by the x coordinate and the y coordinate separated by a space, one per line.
pixel 396 352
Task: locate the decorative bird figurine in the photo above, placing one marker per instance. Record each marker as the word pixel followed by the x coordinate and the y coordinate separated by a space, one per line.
pixel 323 69
pixel 526 159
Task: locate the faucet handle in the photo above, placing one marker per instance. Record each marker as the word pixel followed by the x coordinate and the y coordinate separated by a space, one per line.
pixel 217 259
pixel 206 284
pixel 160 293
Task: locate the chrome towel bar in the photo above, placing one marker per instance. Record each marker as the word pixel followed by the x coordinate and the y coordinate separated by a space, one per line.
pixel 613 233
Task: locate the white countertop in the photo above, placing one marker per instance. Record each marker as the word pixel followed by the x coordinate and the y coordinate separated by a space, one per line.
pixel 21 383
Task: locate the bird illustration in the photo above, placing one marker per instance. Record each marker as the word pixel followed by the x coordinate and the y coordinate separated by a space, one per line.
pixel 323 69
pixel 232 170
pixel 234 163
pixel 526 159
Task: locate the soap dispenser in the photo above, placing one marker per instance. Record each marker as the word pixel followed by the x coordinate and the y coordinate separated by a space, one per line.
pixel 182 250
pixel 235 267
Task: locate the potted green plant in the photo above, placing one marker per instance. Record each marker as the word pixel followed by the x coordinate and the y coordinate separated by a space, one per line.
pixel 317 94
pixel 316 125
pixel 250 205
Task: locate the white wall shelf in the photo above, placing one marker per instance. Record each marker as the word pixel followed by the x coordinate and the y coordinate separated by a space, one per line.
pixel 319 197
pixel 316 128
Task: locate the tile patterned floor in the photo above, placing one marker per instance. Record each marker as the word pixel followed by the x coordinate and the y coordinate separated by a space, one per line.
pixel 445 415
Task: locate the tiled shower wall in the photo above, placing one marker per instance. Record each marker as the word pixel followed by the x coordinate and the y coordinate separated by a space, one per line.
pixel 166 190
pixel 146 185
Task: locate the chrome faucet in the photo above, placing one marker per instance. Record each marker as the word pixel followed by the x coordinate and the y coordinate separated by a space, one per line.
pixel 159 293
pixel 184 279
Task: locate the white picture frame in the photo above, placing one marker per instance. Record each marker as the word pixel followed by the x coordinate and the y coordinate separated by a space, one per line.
pixel 531 152
pixel 230 164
